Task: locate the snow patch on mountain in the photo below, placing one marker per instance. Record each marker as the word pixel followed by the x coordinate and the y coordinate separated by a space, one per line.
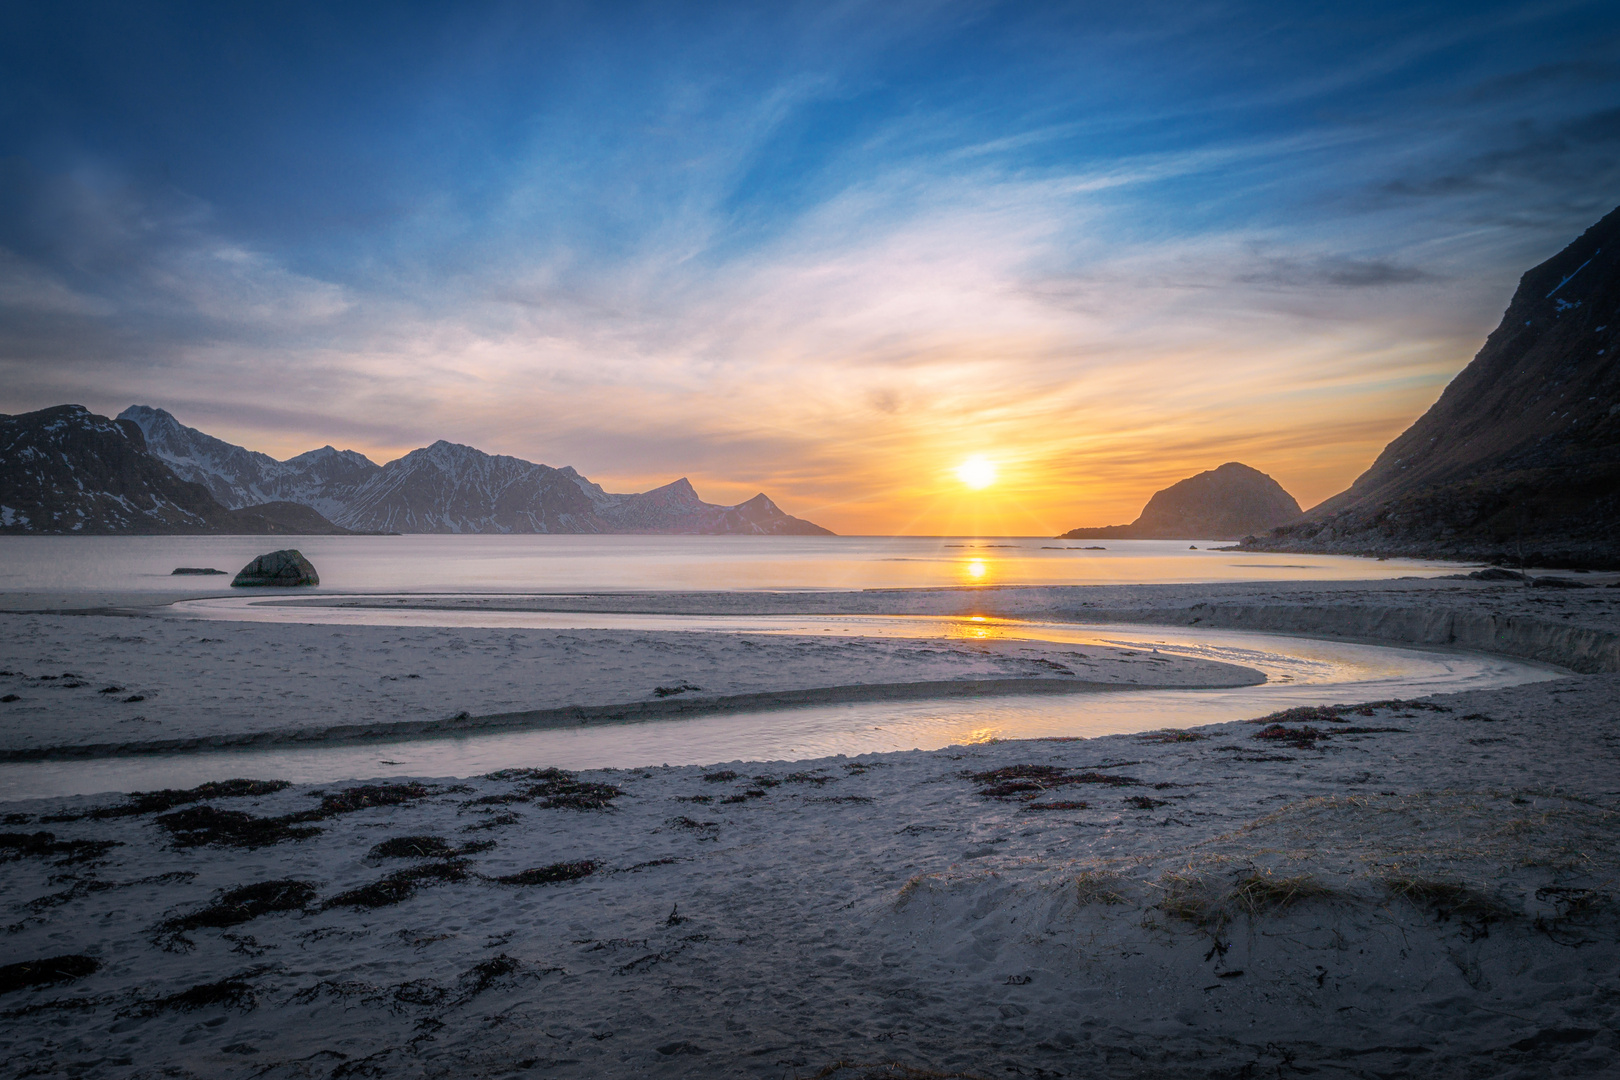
pixel 323 479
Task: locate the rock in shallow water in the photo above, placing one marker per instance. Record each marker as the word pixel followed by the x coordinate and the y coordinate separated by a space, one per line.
pixel 287 567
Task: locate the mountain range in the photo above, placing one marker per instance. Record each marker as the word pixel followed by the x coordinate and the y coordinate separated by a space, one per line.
pixel 67 470
pixel 1221 504
pixel 1519 459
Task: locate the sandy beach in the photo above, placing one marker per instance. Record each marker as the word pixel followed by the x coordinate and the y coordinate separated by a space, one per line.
pixel 1412 889
pixel 95 685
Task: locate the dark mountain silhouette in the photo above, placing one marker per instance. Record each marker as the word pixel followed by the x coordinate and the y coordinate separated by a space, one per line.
pixel 445 488
pixel 66 470
pixel 1221 504
pixel 1521 454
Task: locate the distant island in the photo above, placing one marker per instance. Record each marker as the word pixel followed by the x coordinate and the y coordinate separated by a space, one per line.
pixel 1519 460
pixel 1221 504
pixel 66 470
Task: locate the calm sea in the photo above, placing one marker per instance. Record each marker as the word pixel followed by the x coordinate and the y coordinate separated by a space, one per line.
pixel 633 563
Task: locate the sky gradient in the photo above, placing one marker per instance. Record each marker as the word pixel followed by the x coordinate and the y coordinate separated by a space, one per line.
pixel 828 251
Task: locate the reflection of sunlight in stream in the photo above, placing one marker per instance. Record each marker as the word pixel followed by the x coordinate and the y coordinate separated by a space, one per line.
pixel 1299 671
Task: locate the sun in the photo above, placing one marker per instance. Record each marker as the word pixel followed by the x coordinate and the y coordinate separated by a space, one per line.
pixel 976 472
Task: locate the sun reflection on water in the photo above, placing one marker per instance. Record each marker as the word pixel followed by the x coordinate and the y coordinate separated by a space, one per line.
pixel 978 628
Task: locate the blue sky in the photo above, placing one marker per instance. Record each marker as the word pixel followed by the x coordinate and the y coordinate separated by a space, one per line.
pixel 827 250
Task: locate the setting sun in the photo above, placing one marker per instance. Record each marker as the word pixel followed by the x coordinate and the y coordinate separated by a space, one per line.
pixel 976 472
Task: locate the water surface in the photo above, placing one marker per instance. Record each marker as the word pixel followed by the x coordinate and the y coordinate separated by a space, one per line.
pixel 663 563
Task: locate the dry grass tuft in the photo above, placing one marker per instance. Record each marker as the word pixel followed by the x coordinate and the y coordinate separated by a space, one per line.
pixel 908 891
pixel 1189 898
pixel 1259 893
pixel 1198 900
pixel 1099 887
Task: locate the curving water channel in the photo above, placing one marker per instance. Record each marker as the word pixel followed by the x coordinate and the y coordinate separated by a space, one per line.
pixel 1299 671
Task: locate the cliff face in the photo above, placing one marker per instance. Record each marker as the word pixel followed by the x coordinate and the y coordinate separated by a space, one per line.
pixel 1221 504
pixel 1522 451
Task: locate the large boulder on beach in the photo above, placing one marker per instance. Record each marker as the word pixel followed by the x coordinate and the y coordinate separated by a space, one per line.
pixel 287 567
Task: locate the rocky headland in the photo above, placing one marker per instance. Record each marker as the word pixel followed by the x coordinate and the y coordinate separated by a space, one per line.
pixel 1220 504
pixel 1519 460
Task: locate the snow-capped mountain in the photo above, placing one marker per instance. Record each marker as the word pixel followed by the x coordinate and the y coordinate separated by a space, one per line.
pixel 238 477
pixel 447 488
pixel 67 470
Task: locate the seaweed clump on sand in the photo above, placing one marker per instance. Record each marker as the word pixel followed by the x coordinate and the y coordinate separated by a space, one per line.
pixel 555 789
pixel 554 874
pixel 514 775
pixel 232 993
pixel 480 977
pixel 244 905
pixel 200 825
pixel 1306 737
pixel 1171 735
pixel 365 797
pixel 1028 781
pixel 153 802
pixel 207 825
pixel 46 972
pixel 1340 714
pixel 411 847
pixel 44 844
pixel 567 793
pixel 401 885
